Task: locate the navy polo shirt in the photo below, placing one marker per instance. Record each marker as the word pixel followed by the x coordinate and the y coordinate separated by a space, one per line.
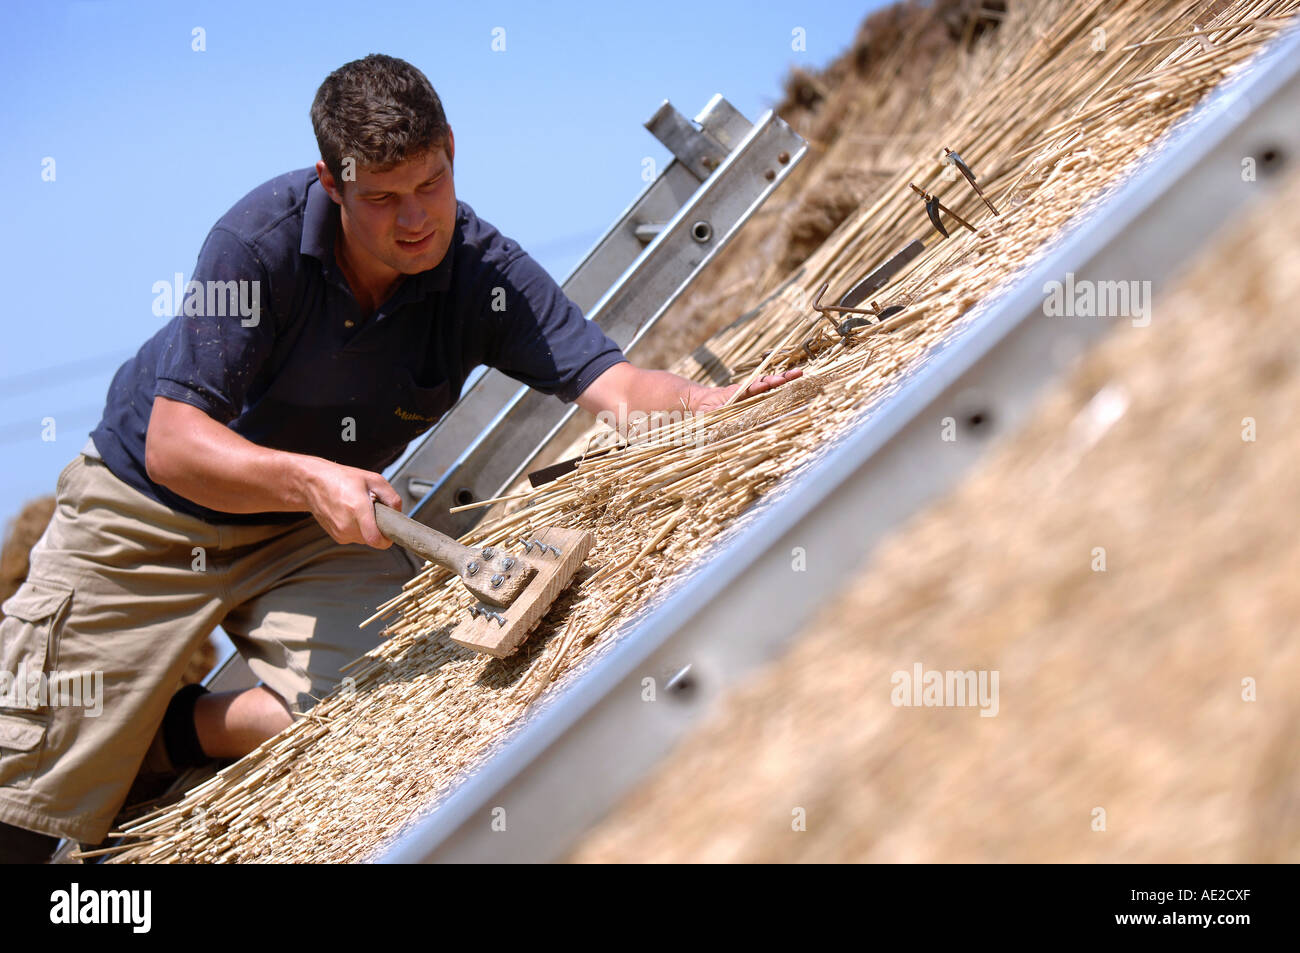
pixel 306 372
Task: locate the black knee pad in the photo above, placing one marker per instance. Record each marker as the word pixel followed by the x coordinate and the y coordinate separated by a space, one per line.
pixel 21 846
pixel 179 734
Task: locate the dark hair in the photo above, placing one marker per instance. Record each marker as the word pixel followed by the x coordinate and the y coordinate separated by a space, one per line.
pixel 379 111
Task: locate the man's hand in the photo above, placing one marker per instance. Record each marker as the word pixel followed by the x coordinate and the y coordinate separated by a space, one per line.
pixel 711 398
pixel 625 390
pixel 205 461
pixel 343 501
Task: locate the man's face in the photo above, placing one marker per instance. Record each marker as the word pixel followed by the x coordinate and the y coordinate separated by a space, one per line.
pixel 403 218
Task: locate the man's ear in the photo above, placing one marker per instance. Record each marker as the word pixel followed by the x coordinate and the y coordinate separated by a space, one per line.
pixel 451 149
pixel 328 182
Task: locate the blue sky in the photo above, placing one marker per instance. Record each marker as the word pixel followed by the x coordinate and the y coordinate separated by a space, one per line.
pixel 152 141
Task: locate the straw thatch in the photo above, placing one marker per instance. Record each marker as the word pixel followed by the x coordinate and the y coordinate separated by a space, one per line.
pixel 1121 690
pixel 20 536
pixel 1047 109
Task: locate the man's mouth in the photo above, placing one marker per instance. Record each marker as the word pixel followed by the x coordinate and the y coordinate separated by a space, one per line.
pixel 417 244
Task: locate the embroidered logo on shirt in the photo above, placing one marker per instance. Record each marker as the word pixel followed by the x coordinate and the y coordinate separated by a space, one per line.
pixel 407 415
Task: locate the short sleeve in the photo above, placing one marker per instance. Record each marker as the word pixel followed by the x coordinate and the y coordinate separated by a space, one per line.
pixel 222 333
pixel 541 338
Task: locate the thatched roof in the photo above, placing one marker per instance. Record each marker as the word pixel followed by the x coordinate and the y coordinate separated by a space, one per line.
pixel 1127 564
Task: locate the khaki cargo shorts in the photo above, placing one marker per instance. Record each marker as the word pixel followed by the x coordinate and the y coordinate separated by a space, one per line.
pixel 122 590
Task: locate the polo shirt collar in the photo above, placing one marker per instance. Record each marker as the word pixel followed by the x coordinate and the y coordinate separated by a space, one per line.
pixel 320 221
pixel 320 224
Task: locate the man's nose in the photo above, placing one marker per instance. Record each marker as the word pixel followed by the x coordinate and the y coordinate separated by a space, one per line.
pixel 410 214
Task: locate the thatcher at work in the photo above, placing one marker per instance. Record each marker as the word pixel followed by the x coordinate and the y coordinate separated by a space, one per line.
pixel 334 315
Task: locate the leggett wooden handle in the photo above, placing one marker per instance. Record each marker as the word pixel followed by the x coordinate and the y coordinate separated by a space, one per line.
pixel 422 540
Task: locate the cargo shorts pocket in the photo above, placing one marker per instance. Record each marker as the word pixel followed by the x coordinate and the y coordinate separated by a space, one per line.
pixel 31 618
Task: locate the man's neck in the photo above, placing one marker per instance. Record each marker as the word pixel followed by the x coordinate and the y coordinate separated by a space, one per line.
pixel 371 287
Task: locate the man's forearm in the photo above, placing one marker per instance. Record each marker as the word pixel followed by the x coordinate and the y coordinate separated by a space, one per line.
pixel 198 458
pixel 202 460
pixel 651 392
pixel 625 391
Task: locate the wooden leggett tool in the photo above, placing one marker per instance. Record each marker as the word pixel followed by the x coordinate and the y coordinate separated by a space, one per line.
pixel 513 591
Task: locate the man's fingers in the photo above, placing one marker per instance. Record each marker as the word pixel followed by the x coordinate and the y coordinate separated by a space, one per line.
pixel 384 493
pixel 370 531
pixel 774 380
pixel 377 490
pixel 336 533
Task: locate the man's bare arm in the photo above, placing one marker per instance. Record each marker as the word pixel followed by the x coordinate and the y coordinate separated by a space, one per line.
pixel 202 460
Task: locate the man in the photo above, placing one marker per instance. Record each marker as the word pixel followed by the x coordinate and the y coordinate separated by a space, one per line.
pixel 334 315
